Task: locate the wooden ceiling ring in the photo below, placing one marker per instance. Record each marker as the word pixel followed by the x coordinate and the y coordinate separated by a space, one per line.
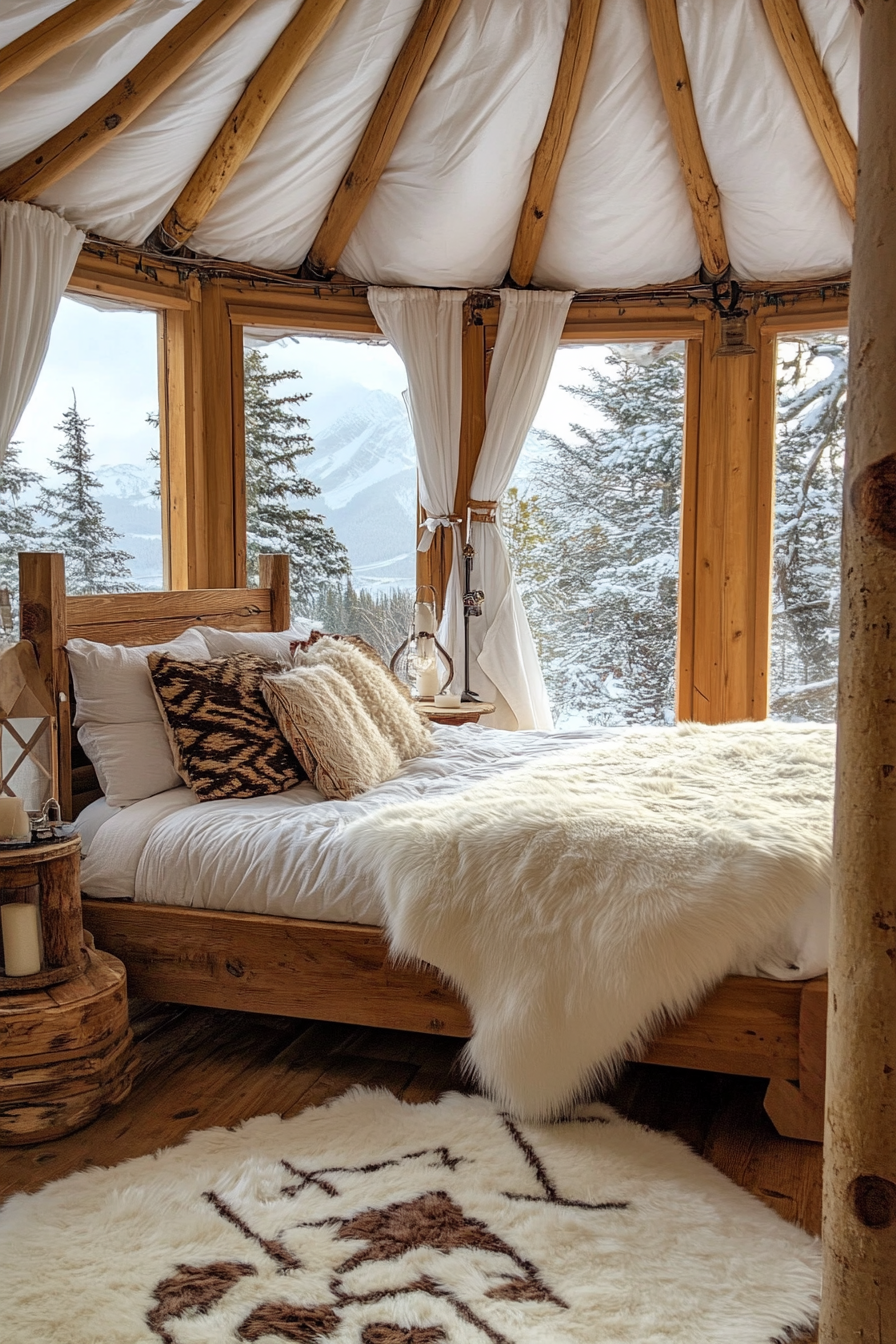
pixel 263 95
pixel 574 58
pixel 57 32
pixel 380 137
pixel 108 116
pixel 675 83
pixel 816 97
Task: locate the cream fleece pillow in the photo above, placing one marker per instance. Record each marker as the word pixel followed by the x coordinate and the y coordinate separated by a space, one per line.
pixel 323 720
pixel 395 717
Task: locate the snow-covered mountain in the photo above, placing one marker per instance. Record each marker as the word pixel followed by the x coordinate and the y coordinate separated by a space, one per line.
pixel 365 465
pixel 130 507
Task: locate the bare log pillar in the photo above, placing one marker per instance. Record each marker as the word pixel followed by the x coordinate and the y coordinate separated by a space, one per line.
pixel 859 1293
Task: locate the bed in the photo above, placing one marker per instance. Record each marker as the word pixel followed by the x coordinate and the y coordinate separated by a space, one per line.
pixel 326 968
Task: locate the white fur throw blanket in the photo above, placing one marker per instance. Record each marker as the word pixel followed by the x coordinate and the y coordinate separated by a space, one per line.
pixel 576 903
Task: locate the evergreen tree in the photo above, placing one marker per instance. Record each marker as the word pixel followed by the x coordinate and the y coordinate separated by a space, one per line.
pixel 19 527
pixel 276 439
pixel 75 520
pixel 608 508
pixel 383 619
pixel 808 505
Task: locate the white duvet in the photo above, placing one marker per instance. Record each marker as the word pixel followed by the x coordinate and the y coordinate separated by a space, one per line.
pixel 286 854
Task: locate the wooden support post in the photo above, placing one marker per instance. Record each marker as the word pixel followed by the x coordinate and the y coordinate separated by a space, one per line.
pixel 58 31
pixel 42 620
pixel 225 530
pixel 730 490
pixel 859 1284
pixel 434 565
pixel 273 573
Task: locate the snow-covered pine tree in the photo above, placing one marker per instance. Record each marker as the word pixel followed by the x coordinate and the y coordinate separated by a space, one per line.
pixel 382 618
pixel 74 518
pixel 19 526
pixel 276 438
pixel 810 445
pixel 609 502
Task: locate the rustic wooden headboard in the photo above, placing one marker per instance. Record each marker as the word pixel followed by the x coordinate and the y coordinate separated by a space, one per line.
pixel 49 618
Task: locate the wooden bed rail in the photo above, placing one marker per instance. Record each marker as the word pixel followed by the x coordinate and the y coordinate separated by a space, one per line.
pixel 49 618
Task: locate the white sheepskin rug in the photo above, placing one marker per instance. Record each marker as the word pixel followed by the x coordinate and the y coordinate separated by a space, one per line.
pixel 370 1221
pixel 577 902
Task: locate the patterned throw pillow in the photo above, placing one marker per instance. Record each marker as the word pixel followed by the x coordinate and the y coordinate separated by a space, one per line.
pixel 329 730
pixel 225 742
pixel 398 721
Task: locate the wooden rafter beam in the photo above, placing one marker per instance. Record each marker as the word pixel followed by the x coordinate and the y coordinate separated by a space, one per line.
pixel 381 135
pixel 816 97
pixel 675 83
pixel 552 147
pixel 263 95
pixel 56 33
pixel 109 115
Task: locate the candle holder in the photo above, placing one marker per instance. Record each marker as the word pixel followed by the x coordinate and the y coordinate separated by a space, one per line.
pixel 416 660
pixel 42 879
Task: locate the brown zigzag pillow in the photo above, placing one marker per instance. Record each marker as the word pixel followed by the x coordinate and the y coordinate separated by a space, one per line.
pixel 225 741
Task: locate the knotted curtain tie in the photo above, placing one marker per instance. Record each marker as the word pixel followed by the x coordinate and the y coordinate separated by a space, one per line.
pixel 430 525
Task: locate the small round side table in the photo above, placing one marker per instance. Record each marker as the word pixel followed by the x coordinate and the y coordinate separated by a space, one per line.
pixel 66 1048
pixel 471 712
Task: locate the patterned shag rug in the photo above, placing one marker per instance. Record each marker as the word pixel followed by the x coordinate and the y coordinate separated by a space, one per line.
pixel 370 1221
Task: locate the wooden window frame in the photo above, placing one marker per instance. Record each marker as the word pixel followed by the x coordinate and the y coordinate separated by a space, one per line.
pixel 166 294
pixel 728 474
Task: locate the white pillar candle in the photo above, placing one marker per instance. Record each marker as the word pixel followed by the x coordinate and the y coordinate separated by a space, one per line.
pixel 427 682
pixel 21 938
pixel 424 618
pixel 14 823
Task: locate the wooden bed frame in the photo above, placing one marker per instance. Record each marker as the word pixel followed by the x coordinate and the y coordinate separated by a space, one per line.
pixel 341 972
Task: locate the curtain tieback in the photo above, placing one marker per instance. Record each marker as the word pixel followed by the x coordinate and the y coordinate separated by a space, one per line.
pixel 430 526
pixel 487 508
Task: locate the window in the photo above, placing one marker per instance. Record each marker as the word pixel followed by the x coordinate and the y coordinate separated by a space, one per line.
pixel 592 520
pixel 82 475
pixel 331 479
pixel 809 447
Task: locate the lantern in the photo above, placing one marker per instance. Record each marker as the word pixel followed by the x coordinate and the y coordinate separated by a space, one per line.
pixel 27 743
pixel 416 660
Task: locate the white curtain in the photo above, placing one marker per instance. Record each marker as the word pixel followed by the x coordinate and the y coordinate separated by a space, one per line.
pixel 426 327
pixel 38 251
pixel 508 671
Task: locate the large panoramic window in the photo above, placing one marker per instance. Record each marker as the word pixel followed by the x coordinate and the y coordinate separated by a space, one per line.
pixel 331 479
pixel 82 473
pixel 592 520
pixel 809 448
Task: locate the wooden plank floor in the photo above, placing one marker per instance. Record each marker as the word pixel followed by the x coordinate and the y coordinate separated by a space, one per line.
pixel 200 1067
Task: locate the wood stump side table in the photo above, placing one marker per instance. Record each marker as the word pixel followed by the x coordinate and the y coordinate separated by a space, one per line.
pixel 66 1049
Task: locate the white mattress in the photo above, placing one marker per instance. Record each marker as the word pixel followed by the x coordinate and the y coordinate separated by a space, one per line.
pixel 285 854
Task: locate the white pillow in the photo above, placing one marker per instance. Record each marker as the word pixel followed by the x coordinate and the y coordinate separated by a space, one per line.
pixel 273 644
pixel 119 724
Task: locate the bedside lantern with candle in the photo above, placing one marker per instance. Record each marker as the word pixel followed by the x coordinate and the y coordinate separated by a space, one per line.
pixel 416 660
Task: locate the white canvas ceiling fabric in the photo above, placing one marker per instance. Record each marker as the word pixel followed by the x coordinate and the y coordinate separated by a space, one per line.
pixel 38 251
pixel 445 211
pixel 529 330
pixel 426 327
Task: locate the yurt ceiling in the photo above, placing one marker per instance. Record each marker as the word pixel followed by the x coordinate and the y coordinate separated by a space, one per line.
pixel 648 185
